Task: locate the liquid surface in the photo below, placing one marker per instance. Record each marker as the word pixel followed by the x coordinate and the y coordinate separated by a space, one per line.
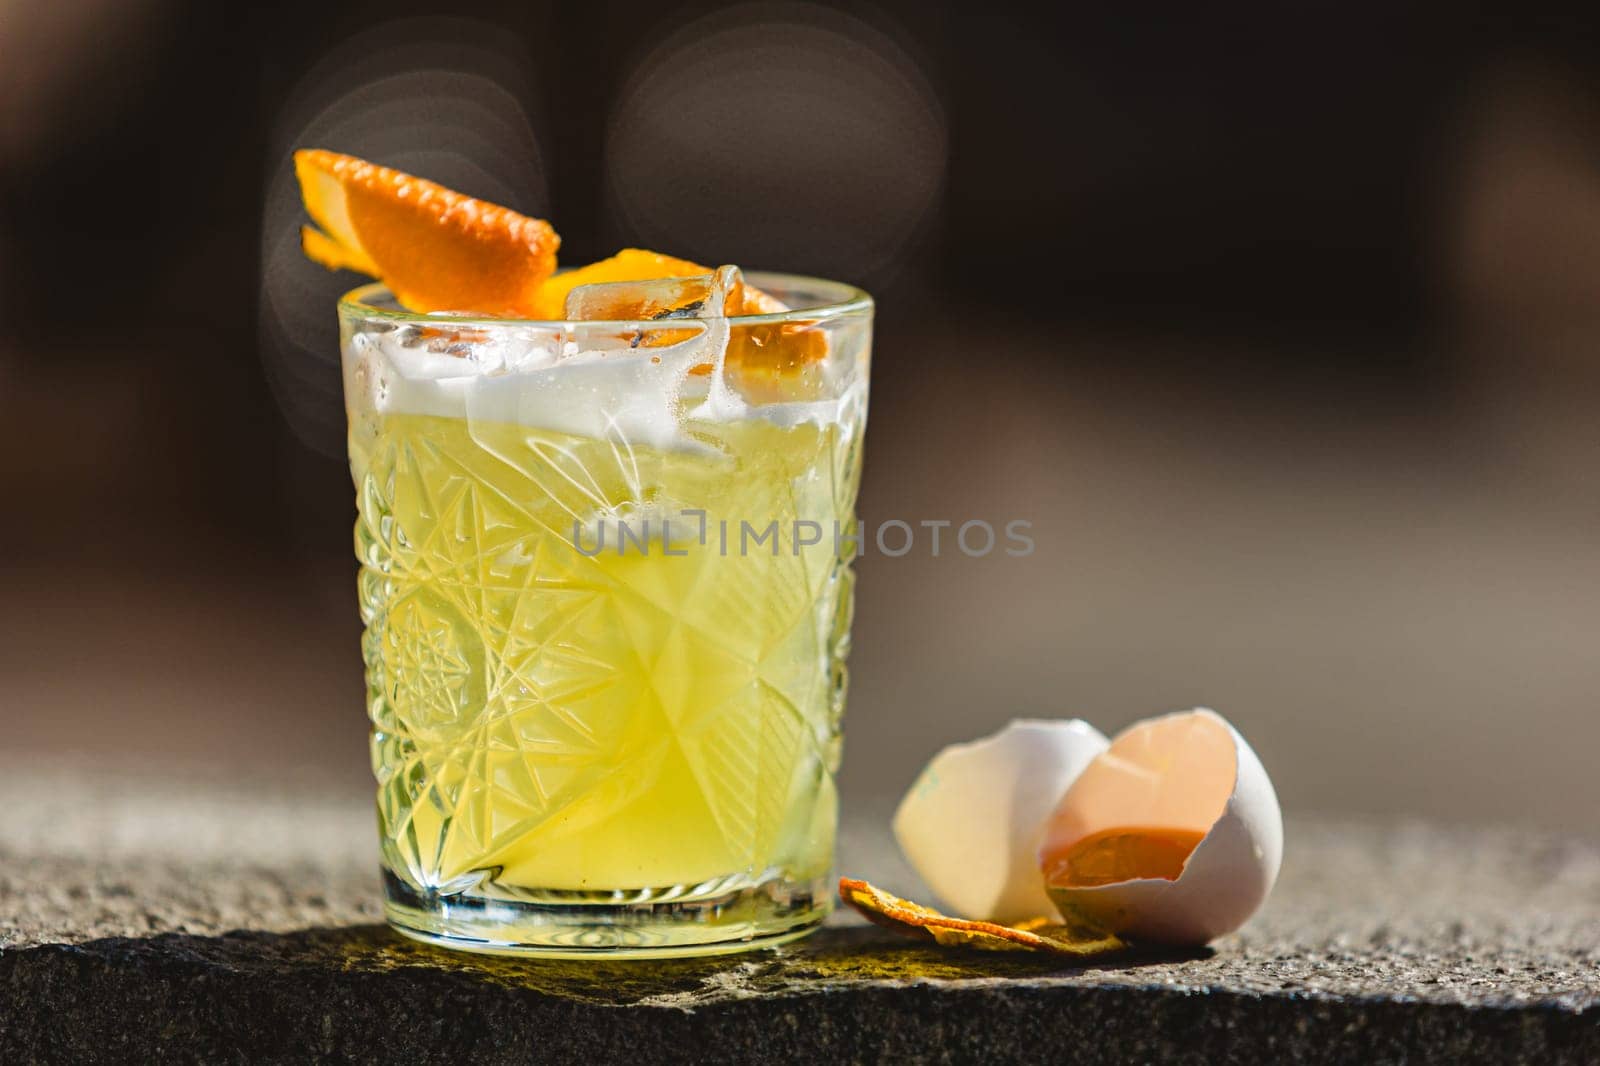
pixel 545 719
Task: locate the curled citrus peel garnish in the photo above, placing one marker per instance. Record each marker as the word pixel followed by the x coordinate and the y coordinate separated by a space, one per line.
pixel 439 250
pixel 436 249
pixel 924 923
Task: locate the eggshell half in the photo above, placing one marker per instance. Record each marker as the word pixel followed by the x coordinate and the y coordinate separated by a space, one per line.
pixel 1185 771
pixel 973 820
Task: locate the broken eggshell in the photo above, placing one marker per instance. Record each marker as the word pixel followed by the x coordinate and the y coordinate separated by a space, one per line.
pixel 972 823
pixel 1183 775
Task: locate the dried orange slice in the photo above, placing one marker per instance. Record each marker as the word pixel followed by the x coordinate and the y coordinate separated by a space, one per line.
pixel 925 923
pixel 436 249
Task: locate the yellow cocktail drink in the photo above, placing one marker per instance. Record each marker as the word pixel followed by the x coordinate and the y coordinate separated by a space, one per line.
pixel 625 712
pixel 607 598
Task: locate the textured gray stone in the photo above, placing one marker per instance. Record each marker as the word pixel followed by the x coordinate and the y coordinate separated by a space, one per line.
pixel 216 921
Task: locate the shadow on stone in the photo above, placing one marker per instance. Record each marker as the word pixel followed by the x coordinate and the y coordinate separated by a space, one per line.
pixel 364 993
pixel 832 958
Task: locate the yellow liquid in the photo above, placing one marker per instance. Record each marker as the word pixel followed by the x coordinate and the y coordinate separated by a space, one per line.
pixel 546 720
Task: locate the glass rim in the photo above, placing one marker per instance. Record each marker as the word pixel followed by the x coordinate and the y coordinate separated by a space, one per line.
pixel 854 300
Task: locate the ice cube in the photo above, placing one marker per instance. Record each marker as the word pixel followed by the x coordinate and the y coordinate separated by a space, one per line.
pixel 699 296
pixel 636 300
pixel 441 350
pixel 441 339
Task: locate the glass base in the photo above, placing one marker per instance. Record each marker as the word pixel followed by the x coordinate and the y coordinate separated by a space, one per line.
pixel 638 924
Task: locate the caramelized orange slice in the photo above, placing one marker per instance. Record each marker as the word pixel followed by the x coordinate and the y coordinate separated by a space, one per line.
pixel 436 249
pixel 925 923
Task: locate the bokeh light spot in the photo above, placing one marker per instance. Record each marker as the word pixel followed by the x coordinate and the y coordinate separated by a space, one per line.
pixel 778 136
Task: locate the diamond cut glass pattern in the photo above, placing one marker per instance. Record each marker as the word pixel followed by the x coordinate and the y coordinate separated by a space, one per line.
pixel 654 724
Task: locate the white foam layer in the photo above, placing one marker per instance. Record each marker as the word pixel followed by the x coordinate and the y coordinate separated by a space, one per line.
pixel 639 395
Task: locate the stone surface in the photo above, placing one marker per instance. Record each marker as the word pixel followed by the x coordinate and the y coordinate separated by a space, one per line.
pixel 220 920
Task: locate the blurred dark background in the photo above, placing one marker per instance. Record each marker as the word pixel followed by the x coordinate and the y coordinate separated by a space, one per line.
pixel 1280 325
